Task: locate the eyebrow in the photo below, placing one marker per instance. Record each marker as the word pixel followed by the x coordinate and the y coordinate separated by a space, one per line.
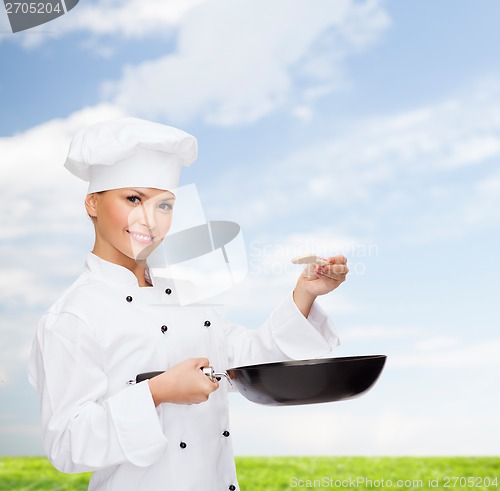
pixel 144 195
pixel 140 193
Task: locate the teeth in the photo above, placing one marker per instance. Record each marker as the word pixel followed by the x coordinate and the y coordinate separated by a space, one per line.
pixel 141 237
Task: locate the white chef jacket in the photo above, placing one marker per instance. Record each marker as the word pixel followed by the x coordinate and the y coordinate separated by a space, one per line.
pixel 105 330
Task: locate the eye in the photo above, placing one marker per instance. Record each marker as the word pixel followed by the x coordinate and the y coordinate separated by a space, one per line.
pixel 134 199
pixel 166 206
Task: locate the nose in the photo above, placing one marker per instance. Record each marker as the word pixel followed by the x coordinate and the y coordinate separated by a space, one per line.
pixel 148 218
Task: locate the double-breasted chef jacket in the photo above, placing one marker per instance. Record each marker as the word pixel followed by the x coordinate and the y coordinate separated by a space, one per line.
pixel 103 332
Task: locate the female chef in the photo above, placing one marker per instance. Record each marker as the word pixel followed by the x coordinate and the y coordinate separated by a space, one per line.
pixel 170 432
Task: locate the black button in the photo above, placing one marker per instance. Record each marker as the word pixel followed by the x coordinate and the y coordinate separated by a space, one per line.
pixel 225 433
pixel 164 329
pixel 207 324
pixel 129 299
pixel 183 445
pixel 232 487
pixel 168 291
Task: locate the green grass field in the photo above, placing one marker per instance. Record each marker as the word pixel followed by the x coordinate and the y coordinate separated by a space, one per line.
pixel 287 473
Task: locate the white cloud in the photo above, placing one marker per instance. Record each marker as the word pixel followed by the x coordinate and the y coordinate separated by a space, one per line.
pixel 365 426
pixel 428 173
pixel 37 269
pixel 35 156
pixel 418 347
pixel 381 332
pixel 303 113
pixel 42 195
pixel 437 343
pixel 16 336
pixel 255 57
pixel 475 149
pixel 484 203
pixel 411 145
pixel 14 291
pixel 252 57
pixel 448 353
pixel 131 19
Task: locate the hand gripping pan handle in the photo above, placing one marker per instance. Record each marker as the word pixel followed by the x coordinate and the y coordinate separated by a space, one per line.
pixel 208 371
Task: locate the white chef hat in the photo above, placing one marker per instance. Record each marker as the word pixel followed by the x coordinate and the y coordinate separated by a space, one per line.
pixel 130 152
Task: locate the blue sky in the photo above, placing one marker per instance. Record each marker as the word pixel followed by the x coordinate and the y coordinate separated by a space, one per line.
pixel 368 128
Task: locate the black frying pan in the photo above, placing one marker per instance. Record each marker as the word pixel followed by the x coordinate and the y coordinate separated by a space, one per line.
pixel 297 382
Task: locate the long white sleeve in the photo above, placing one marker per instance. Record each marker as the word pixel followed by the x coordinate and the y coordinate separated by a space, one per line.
pixel 83 429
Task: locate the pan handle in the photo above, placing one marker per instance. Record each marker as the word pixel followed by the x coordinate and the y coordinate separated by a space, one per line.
pixel 208 371
pixel 216 376
pixel 143 376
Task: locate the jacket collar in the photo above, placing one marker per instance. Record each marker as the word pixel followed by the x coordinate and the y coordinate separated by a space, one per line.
pixel 164 290
pixel 109 272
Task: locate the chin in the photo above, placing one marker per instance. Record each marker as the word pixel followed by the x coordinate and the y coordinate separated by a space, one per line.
pixel 143 254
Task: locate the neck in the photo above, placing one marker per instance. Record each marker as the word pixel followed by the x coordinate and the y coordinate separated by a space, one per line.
pixel 138 267
pixel 139 270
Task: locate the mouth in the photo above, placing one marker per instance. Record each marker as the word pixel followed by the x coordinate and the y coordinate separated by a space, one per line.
pixel 141 237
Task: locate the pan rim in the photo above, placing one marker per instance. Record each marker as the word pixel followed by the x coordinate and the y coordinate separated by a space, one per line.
pixel 309 362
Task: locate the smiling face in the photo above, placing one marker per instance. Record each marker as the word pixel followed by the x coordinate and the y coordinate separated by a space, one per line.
pixel 129 222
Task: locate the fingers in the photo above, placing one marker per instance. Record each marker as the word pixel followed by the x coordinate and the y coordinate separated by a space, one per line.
pixel 336 269
pixel 183 383
pixel 337 260
pixel 200 362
